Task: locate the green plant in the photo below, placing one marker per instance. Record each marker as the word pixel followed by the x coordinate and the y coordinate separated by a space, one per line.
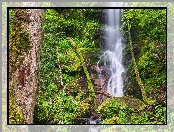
pixel 114 112
pixel 62 63
pixel 148 45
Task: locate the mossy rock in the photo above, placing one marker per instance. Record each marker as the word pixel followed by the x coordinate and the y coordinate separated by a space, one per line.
pixel 132 102
pixel 126 101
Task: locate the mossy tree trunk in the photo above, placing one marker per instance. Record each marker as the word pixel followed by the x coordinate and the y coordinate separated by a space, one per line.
pixel 28 72
pixel 25 66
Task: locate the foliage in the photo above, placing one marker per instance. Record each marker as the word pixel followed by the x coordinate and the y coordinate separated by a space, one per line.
pixel 80 56
pixel 135 68
pixel 148 33
pixel 62 63
pixel 115 112
pixel 59 108
pixel 58 25
pixel 158 116
pixel 147 39
pixel 151 23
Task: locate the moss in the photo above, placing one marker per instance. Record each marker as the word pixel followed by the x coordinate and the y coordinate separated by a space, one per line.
pixel 138 79
pixel 75 65
pixel 125 101
pixel 118 110
pixel 19 43
pixel 113 120
pixel 147 48
pixel 19 46
pixel 90 85
pixel 83 109
pixel 15 112
pixel 134 103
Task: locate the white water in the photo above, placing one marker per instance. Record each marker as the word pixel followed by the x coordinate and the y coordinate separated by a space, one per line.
pixel 113 55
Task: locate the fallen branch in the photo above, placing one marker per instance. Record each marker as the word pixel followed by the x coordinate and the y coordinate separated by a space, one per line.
pixel 90 86
pixel 140 83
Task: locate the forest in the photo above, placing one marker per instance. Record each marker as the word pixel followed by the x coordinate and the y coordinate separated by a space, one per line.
pixel 63 77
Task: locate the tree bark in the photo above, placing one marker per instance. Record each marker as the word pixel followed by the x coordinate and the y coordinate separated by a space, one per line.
pixel 28 72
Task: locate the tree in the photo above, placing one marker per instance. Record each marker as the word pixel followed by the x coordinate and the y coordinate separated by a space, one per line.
pixel 24 57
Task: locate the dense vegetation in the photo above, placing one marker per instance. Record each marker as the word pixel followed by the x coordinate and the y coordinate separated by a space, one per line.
pixel 147 45
pixel 62 66
pixel 63 62
pixel 72 45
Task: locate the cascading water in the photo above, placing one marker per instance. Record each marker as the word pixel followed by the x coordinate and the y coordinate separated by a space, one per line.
pixel 112 57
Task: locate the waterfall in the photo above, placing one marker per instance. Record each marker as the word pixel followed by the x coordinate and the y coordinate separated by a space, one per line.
pixel 112 57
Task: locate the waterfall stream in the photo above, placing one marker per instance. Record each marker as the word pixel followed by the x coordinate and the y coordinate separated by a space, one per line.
pixel 112 57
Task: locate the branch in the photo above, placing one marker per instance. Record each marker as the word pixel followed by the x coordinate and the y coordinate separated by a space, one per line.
pixel 140 83
pixel 59 66
pixel 90 86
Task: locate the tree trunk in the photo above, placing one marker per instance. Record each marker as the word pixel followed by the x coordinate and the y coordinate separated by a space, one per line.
pixel 28 72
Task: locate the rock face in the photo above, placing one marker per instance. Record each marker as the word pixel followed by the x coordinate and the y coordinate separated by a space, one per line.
pixel 100 85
